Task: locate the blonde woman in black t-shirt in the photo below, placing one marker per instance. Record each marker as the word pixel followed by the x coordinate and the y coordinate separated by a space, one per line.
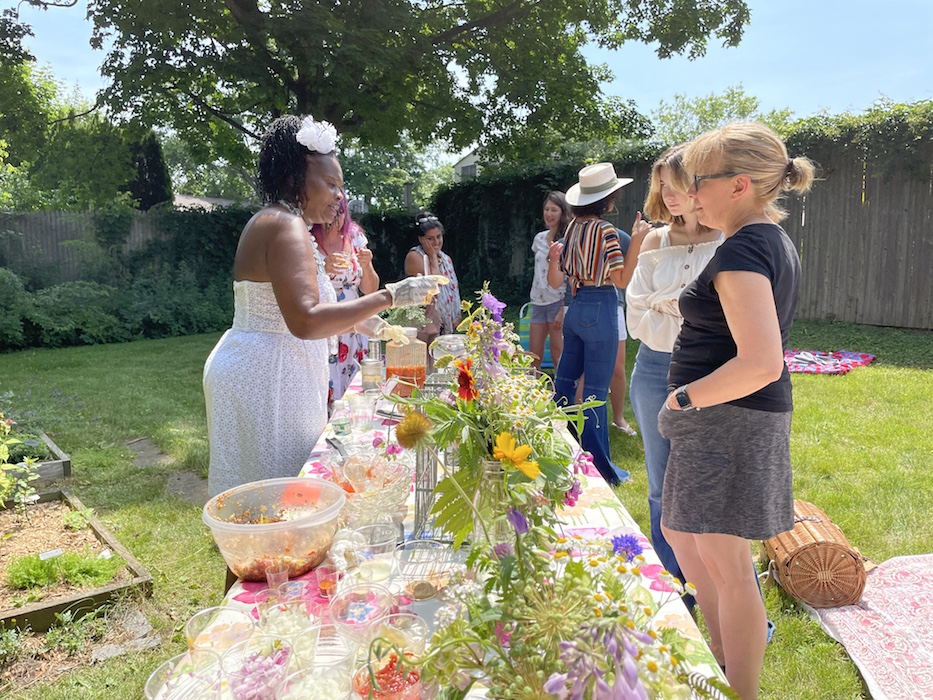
pixel 728 478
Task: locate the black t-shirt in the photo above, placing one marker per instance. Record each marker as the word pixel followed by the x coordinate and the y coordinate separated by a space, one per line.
pixel 705 342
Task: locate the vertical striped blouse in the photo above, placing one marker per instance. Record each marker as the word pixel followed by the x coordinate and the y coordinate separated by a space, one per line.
pixel 591 252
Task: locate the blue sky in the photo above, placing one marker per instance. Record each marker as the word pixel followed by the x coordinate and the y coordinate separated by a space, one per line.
pixel 807 55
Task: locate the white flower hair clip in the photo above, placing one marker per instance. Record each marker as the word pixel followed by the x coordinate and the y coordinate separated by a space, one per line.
pixel 318 137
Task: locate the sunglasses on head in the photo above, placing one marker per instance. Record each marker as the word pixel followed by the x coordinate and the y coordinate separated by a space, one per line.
pixel 426 223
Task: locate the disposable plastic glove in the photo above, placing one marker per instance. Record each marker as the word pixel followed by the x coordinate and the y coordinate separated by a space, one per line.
pixel 379 329
pixel 415 291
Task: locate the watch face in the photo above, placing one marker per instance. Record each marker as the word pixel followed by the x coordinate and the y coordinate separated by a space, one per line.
pixel 682 399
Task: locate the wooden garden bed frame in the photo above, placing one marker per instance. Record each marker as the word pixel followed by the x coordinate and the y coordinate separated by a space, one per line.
pixel 39 617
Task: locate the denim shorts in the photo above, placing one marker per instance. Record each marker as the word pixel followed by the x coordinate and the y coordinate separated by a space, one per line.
pixel 546 313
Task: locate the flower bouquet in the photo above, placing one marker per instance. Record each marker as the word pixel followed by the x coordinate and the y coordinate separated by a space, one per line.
pixel 498 415
pixel 558 617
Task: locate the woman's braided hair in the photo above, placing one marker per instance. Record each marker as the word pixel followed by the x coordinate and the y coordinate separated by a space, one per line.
pixel 282 162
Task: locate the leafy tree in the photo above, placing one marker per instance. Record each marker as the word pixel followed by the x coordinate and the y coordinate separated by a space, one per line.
pixel 456 71
pixel 685 119
pixel 27 104
pixel 218 178
pixel 152 183
pixel 378 174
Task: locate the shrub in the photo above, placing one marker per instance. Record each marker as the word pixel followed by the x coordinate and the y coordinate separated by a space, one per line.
pixel 14 305
pixel 75 313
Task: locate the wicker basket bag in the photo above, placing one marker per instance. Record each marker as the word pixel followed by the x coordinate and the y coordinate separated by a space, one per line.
pixel 814 562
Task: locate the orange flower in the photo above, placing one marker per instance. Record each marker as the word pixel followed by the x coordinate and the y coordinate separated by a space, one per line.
pixel 466 384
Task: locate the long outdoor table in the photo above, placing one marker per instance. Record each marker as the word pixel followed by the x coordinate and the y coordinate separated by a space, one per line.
pixel 597 513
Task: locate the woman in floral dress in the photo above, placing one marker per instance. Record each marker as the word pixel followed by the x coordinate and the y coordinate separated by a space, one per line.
pixel 349 264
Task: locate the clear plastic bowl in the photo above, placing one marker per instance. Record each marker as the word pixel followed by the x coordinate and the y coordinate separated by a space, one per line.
pixel 276 521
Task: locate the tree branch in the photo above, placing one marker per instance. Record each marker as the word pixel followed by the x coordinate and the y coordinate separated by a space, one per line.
pixel 251 20
pixel 220 115
pixel 71 117
pixel 514 10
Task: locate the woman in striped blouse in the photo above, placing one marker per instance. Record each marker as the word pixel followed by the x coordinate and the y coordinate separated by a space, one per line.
pixel 591 258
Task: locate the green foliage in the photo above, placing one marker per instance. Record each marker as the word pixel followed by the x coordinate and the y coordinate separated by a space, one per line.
pixel 454 71
pixel 72 635
pixel 175 302
pixel 27 103
pixel 11 645
pixel 78 519
pixel 685 119
pixel 378 174
pixel 83 569
pixel 14 306
pixel 75 313
pixel 894 137
pixel 206 178
pixel 152 183
pixel 29 446
pixel 112 225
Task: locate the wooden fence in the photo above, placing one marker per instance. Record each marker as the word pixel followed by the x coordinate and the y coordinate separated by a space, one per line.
pixel 865 240
pixel 54 246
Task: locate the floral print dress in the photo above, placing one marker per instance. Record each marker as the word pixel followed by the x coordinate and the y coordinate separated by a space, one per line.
pixel 351 347
pixel 447 301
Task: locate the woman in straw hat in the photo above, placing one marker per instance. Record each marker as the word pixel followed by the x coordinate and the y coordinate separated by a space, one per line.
pixel 728 478
pixel 591 258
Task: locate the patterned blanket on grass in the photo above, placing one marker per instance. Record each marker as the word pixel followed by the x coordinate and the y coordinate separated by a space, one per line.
pixel 817 362
pixel 889 633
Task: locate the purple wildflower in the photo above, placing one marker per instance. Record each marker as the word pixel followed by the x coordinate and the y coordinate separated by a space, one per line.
pixel 393 449
pixel 572 494
pixel 378 440
pixel 494 305
pixel 556 685
pixel 518 520
pixel 503 550
pixel 627 546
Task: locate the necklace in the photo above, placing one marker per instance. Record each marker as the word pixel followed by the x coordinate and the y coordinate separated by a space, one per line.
pixel 325 286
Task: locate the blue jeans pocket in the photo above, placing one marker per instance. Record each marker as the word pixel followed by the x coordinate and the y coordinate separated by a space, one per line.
pixel 587 314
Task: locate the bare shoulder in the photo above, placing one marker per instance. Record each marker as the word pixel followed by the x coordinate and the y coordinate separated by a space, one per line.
pixel 271 232
pixel 652 240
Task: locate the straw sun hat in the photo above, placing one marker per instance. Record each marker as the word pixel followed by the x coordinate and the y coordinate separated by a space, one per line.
pixel 597 181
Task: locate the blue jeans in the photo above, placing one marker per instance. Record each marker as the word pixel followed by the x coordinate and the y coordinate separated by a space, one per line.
pixel 647 392
pixel 591 342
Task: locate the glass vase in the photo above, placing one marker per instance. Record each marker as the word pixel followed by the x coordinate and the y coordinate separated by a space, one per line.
pixel 490 503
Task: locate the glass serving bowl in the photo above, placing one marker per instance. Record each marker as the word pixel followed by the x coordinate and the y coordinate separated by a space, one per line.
pixel 276 521
pixel 376 487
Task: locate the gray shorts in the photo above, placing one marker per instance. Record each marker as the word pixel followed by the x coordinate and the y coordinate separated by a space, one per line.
pixel 728 472
pixel 546 313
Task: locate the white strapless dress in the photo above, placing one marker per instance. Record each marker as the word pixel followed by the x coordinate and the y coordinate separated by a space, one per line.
pixel 266 394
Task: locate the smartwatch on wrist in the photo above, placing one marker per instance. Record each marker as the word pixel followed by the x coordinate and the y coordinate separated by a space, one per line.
pixel 683 399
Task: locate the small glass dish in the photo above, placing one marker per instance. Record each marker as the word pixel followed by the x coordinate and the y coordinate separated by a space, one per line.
pixel 219 628
pixel 424 567
pixel 353 609
pixel 259 662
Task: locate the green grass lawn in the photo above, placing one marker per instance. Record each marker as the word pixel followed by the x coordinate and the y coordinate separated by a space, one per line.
pixel 860 445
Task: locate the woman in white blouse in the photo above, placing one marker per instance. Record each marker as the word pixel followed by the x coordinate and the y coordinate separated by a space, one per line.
pixel 669 258
pixel 547 303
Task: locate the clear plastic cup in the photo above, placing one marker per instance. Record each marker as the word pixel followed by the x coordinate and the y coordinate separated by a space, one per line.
pixel 193 675
pixel 219 628
pixel 259 662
